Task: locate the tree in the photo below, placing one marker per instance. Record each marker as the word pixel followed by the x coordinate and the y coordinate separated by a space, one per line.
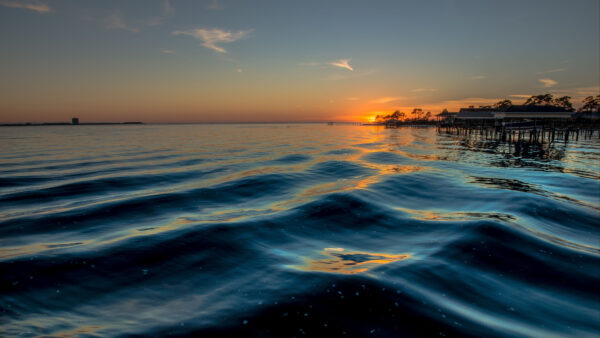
pixel 417 113
pixel 591 103
pixel 503 104
pixel 563 102
pixel 445 111
pixel 537 100
pixel 428 115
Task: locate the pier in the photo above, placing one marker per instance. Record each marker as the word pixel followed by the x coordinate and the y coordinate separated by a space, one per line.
pixel 530 134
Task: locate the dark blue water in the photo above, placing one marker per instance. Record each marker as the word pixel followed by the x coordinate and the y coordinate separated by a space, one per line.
pixel 295 230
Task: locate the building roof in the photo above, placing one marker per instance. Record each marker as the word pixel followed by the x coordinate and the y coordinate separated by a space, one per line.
pixel 476 109
pixel 446 114
pixel 516 111
pixel 534 115
pixel 475 115
pixel 535 109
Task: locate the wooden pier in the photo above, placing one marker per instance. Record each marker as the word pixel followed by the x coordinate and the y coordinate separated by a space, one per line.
pixel 511 134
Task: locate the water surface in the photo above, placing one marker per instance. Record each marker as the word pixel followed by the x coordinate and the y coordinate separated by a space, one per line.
pixel 295 230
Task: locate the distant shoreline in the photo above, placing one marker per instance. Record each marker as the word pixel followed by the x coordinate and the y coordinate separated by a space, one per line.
pixel 66 124
pixel 174 123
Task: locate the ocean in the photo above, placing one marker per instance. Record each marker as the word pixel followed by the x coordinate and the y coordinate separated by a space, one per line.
pixel 295 230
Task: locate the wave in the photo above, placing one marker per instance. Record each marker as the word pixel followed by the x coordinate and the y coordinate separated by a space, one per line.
pixel 325 239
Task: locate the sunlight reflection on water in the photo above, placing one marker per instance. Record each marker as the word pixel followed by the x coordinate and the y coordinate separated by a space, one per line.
pixel 117 230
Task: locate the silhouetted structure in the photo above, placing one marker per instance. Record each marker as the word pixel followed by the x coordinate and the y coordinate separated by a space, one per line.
pixel 75 120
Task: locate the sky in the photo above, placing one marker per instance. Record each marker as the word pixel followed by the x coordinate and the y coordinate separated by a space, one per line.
pixel 162 61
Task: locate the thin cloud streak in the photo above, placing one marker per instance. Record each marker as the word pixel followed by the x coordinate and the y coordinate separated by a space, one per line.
pixel 553 71
pixel 211 37
pixel 168 51
pixel 421 90
pixel 547 83
pixel 478 77
pixel 386 99
pixel 35 6
pixel 342 63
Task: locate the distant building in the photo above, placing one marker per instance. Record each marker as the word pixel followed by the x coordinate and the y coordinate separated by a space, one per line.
pixel 534 112
pixel 391 122
pixel 476 113
pixel 446 116
pixel 75 120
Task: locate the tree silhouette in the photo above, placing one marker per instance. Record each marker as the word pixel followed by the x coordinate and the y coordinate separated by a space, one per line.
pixel 591 103
pixel 563 102
pixel 503 104
pixel 537 100
pixel 417 113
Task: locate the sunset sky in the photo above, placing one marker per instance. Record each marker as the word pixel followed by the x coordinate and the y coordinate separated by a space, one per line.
pixel 228 61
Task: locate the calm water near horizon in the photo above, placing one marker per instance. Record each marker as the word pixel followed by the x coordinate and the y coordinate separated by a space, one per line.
pixel 295 230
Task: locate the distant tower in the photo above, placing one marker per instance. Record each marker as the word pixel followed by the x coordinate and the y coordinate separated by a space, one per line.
pixel 75 120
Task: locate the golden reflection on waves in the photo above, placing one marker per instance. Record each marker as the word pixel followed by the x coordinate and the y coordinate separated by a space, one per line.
pixel 81 331
pixel 427 215
pixel 336 260
pixel 32 249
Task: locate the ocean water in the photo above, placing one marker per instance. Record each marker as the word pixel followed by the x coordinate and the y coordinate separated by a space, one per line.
pixel 295 230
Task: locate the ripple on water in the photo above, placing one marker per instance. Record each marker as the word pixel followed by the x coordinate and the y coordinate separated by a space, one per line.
pixel 385 157
pixel 302 230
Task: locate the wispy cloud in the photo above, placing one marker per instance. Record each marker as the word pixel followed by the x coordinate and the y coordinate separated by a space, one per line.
pixel 386 99
pixel 547 83
pixel 168 51
pixel 577 93
pixel 211 37
pixel 421 90
pixel 587 91
pixel 115 20
pixel 553 71
pixel 352 99
pixel 478 77
pixel 454 105
pixel 342 63
pixel 521 96
pixel 36 6
pixel 168 9
pixel 215 5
